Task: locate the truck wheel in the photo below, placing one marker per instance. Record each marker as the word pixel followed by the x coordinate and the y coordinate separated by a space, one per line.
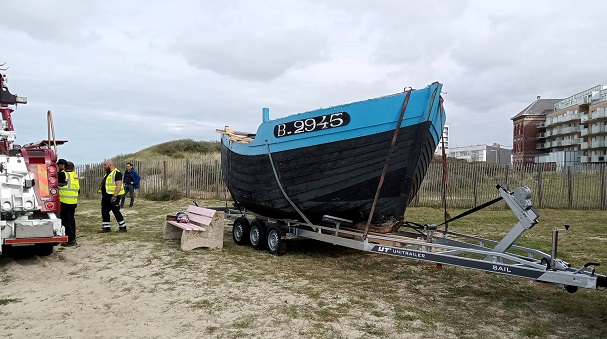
pixel 257 234
pixel 275 242
pixel 44 249
pixel 240 231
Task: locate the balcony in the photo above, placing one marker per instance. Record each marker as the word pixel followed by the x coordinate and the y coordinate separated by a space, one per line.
pixel 569 130
pixel 584 132
pixel 597 129
pixel 584 159
pixel 598 114
pixel 541 135
pixel 562 119
pixel 557 143
pixel 597 158
pixel 584 145
pixel 584 118
pixel 570 117
pixel 598 144
pixel 569 142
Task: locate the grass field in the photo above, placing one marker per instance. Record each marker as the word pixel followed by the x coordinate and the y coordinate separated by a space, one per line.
pixel 388 295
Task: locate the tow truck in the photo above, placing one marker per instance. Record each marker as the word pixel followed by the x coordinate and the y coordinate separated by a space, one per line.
pixel 29 188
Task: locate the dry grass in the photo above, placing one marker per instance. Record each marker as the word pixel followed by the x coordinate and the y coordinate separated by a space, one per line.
pixel 148 287
pixel 381 296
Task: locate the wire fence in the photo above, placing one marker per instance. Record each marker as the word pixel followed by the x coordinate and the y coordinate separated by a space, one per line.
pixel 581 186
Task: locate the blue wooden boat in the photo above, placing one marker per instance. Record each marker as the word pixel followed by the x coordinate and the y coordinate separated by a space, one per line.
pixel 331 160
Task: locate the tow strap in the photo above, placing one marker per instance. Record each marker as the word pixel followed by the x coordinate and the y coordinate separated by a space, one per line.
pixel 489 203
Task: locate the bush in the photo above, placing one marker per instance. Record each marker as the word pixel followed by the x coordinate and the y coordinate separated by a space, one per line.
pixel 172 148
pixel 164 195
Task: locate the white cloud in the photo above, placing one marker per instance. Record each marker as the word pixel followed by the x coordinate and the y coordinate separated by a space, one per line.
pixel 260 58
pixel 121 76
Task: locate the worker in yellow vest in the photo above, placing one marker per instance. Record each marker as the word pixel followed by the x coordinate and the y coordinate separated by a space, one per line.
pixel 111 191
pixel 68 197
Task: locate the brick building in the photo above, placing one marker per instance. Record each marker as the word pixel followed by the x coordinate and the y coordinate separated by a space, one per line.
pixel 563 132
pixel 527 125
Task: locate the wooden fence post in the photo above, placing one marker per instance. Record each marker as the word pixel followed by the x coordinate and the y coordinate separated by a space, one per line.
pixel 474 188
pixel 569 188
pixel 217 179
pixel 187 177
pixel 539 187
pixel 507 183
pixel 164 175
pixel 603 186
pixel 88 181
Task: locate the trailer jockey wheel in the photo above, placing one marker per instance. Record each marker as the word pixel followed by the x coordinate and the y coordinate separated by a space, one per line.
pixel 257 234
pixel 240 231
pixel 275 242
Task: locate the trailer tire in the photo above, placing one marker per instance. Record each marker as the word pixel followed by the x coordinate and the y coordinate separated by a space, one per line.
pixel 275 243
pixel 44 250
pixel 240 231
pixel 257 234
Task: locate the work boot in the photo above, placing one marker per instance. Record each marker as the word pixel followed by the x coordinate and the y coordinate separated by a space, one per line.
pixel 70 243
pixel 105 230
pixel 121 229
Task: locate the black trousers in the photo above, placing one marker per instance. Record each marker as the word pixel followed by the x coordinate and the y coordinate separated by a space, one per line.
pixel 106 207
pixel 130 189
pixel 68 220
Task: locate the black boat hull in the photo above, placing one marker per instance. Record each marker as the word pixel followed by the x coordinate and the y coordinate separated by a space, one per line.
pixel 338 178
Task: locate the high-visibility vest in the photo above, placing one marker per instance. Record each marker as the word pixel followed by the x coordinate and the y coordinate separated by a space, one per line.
pixel 110 183
pixel 68 194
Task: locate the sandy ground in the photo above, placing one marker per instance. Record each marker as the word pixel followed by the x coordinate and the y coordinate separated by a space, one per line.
pixel 137 290
pixel 95 290
pixel 133 289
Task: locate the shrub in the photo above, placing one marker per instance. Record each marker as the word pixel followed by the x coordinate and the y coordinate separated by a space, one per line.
pixel 164 195
pixel 171 148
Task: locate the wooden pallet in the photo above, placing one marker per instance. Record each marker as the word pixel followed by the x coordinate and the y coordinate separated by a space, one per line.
pixel 386 227
pixel 235 136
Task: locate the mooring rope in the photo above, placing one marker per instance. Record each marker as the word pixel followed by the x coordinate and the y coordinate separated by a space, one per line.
pixel 283 191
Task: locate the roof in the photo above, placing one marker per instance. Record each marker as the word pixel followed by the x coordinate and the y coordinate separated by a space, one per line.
pixel 538 107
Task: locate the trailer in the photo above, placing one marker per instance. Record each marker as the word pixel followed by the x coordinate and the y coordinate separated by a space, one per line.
pixel 430 243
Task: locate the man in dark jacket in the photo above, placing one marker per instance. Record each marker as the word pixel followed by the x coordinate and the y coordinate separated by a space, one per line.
pixel 131 183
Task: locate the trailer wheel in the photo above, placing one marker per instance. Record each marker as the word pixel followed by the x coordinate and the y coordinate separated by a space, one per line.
pixel 571 289
pixel 240 231
pixel 275 242
pixel 257 234
pixel 44 249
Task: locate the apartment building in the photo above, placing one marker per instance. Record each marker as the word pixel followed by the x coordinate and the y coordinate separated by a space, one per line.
pixel 562 131
pixel 489 153
pixel 575 132
pixel 594 129
pixel 445 139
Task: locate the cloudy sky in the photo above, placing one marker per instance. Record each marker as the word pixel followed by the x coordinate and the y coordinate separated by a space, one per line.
pixel 120 76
